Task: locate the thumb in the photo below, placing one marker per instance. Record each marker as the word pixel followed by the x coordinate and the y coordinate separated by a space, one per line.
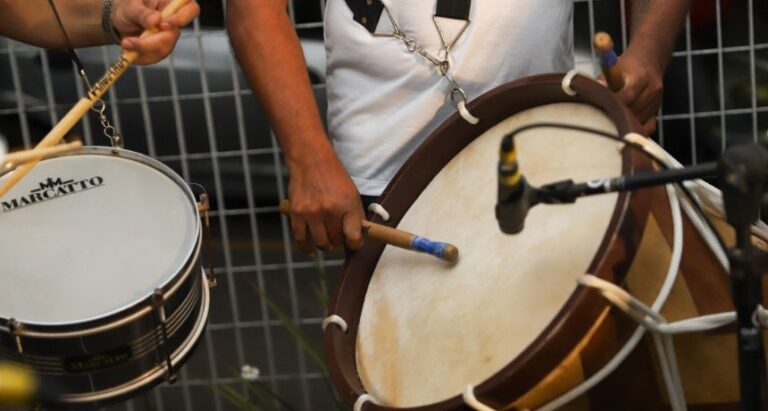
pixel 132 16
pixel 353 230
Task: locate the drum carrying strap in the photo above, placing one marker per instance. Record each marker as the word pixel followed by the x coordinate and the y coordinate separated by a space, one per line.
pixel 368 13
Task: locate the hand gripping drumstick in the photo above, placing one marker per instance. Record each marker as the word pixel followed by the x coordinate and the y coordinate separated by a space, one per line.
pixel 400 238
pixel 37 154
pixel 608 59
pixel 78 111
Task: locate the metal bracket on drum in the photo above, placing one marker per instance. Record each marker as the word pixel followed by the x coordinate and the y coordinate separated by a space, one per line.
pixel 203 207
pixel 14 327
pixel 158 301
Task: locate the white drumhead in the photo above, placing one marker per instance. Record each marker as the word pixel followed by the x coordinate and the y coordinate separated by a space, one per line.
pixel 108 232
pixel 428 329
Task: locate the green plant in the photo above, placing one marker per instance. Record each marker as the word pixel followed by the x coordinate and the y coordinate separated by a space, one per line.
pixel 259 396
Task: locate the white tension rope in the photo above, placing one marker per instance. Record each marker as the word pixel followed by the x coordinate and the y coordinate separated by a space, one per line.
pixel 677 252
pixel 335 319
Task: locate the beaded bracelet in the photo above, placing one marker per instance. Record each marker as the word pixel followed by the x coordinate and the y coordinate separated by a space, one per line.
pixel 106 21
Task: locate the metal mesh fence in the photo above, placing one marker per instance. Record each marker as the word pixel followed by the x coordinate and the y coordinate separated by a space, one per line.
pixel 194 112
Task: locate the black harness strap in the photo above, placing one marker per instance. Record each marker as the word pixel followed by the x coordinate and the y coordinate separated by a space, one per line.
pixel 366 12
pixel 453 9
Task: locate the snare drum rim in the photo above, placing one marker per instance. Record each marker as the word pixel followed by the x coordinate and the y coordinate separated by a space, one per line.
pixel 180 355
pixel 349 294
pixel 141 306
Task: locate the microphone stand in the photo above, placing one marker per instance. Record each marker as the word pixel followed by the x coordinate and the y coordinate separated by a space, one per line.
pixel 741 173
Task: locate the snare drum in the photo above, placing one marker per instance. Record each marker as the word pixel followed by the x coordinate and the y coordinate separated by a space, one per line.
pixel 103 293
pixel 509 320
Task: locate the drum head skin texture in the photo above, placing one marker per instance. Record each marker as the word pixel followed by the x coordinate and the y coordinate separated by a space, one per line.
pixel 428 329
pixel 87 235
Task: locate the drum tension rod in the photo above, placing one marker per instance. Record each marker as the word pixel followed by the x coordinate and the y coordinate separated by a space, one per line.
pixel 203 207
pixel 13 327
pixel 163 352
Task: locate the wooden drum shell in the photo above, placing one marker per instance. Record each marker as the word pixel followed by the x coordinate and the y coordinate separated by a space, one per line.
pixel 587 331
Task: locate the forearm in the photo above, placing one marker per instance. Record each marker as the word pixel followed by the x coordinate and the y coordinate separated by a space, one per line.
pixel 33 22
pixel 655 27
pixel 270 54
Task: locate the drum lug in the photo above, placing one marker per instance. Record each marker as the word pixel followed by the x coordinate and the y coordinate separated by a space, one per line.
pixel 210 277
pixel 158 300
pixel 14 327
pixel 203 207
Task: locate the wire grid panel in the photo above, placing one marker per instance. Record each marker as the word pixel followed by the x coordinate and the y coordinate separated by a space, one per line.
pixel 195 113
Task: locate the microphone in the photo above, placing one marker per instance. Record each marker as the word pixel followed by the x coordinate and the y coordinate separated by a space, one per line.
pixel 515 195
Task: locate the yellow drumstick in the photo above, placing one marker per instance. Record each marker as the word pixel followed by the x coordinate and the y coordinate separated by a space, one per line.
pixel 91 96
pixel 608 59
pixel 37 154
pixel 18 385
pixel 400 238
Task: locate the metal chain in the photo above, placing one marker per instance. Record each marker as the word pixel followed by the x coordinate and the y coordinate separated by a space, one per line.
pixel 456 93
pixel 98 106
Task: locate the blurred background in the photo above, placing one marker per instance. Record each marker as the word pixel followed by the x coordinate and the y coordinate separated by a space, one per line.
pixel 195 112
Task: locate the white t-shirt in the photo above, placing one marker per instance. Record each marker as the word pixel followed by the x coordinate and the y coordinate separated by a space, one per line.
pixel 383 101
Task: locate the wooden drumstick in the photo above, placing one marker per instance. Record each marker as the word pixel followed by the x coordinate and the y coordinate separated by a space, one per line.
pixel 608 59
pixel 399 238
pixel 38 154
pixel 91 96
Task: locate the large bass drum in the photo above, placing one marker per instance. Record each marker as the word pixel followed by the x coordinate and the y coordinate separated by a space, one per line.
pixel 509 326
pixel 103 293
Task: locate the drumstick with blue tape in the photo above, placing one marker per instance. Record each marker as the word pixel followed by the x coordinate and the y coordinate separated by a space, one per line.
pixel 91 96
pixel 608 59
pixel 400 238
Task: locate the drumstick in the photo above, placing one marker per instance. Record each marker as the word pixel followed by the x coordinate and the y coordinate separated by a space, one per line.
pixel 40 153
pixel 608 59
pixel 91 96
pixel 399 238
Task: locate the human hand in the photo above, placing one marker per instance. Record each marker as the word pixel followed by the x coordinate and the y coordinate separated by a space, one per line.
pixel 132 17
pixel 643 88
pixel 326 210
